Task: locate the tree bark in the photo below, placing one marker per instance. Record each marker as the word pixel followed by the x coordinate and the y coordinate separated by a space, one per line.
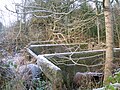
pixel 97 22
pixel 109 41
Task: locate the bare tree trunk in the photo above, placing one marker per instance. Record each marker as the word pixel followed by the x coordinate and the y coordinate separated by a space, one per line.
pixel 109 41
pixel 97 22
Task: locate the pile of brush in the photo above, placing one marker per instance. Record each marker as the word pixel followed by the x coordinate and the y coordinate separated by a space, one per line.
pixel 6 74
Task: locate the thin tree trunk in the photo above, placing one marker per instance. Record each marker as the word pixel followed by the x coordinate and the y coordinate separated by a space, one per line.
pixel 109 41
pixel 98 30
pixel 97 22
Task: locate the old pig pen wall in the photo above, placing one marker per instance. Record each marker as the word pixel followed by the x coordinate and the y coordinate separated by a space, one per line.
pixel 60 62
